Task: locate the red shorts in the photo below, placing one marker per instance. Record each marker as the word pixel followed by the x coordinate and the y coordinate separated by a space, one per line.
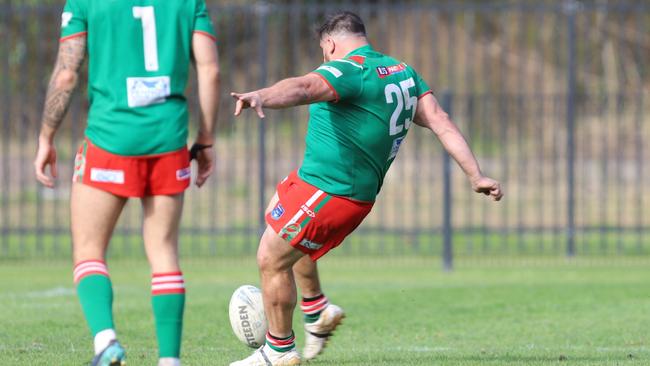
pixel 132 176
pixel 312 220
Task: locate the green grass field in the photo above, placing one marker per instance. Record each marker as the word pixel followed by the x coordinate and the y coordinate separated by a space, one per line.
pixel 400 312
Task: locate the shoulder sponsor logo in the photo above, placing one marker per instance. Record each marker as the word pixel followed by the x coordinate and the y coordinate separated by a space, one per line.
pixel 308 211
pixel 65 19
pixel 310 244
pixel 277 212
pixel 332 70
pixel 384 71
pixel 184 174
pixel 107 176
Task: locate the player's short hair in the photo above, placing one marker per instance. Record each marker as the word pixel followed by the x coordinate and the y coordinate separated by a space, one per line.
pixel 343 22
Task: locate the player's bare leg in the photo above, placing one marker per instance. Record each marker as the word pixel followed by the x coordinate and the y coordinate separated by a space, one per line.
pixel 275 258
pixel 91 233
pixel 321 317
pixel 306 273
pixel 160 231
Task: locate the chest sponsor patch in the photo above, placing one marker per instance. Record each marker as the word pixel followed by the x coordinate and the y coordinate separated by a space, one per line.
pixel 384 71
pixel 277 212
pixel 184 174
pixel 395 149
pixel 107 176
pixel 142 92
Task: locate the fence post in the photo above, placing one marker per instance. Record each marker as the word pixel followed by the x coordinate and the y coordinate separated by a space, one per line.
pixel 262 10
pixel 447 229
pixel 6 136
pixel 571 8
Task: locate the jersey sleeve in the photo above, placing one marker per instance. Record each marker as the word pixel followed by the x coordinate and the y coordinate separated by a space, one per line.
pixel 74 20
pixel 343 76
pixel 422 86
pixel 202 20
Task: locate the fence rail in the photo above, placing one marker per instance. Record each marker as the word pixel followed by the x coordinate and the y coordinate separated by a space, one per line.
pixel 553 98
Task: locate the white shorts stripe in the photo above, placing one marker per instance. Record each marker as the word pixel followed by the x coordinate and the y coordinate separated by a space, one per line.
pixel 300 212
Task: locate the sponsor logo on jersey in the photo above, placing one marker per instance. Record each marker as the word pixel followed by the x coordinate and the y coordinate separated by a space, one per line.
pixel 277 212
pixel 310 244
pixel 396 144
pixel 107 176
pixel 184 174
pixel 66 17
pixel 291 231
pixel 308 211
pixel 384 71
pixel 332 70
pixel 142 92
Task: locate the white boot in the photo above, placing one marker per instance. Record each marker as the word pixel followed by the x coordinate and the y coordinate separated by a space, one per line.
pixel 265 356
pixel 318 333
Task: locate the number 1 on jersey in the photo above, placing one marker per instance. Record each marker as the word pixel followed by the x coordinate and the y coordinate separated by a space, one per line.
pixel 147 16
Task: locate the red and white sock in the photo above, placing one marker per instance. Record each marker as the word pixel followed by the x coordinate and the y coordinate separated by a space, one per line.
pixel 167 283
pixel 89 267
pixel 313 306
pixel 280 344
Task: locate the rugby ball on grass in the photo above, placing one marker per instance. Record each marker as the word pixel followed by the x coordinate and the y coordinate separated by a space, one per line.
pixel 247 317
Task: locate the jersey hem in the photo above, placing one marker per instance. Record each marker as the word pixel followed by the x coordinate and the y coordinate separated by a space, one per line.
pixel 299 174
pixel 63 39
pixel 211 36
pixel 336 94
pixel 138 156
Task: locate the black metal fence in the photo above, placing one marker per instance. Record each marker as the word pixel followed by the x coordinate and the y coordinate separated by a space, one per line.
pixel 553 97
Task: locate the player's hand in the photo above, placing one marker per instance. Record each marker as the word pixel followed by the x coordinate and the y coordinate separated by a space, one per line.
pixel 205 160
pixel 46 155
pixel 248 100
pixel 488 187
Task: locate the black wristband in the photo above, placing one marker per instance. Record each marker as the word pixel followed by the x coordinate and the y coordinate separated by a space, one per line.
pixel 194 150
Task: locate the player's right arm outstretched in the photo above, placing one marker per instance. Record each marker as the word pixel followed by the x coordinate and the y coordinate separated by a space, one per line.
pixel 430 115
pixel 64 79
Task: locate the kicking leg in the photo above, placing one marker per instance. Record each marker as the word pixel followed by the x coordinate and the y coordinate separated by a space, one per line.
pixel 321 317
pixel 160 230
pixel 94 214
pixel 275 258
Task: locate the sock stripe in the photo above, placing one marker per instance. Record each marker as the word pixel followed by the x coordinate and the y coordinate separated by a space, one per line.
pixel 87 268
pixel 167 283
pixel 280 345
pixel 162 274
pixel 312 307
pixel 167 279
pixel 90 261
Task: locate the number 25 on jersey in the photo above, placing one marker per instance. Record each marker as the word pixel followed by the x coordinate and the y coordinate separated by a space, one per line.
pixel 402 97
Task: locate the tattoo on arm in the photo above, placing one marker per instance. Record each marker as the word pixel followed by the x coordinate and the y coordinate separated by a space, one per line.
pixel 64 79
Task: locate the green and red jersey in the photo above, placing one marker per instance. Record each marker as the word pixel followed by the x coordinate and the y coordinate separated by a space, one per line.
pixel 139 55
pixel 352 141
